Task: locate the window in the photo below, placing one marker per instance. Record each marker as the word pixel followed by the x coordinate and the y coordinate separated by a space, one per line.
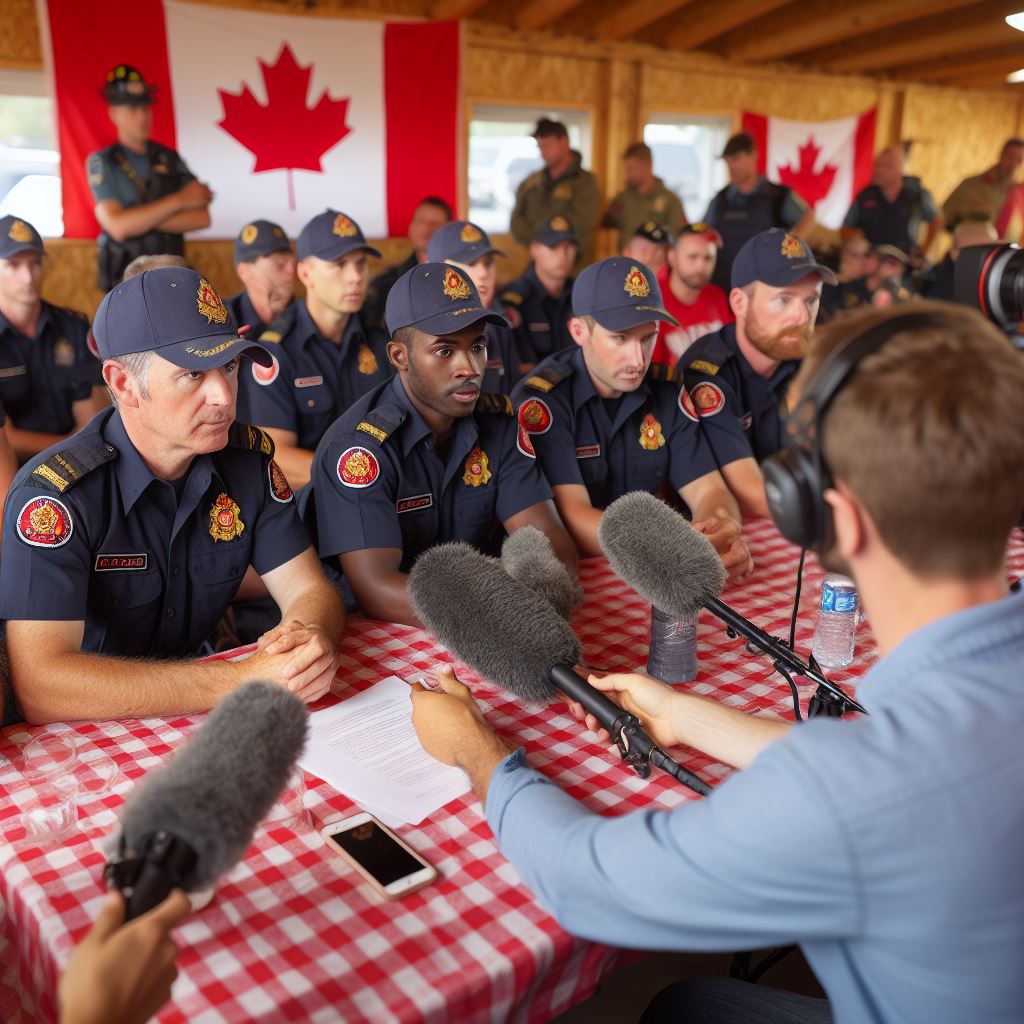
pixel 686 156
pixel 502 152
pixel 29 161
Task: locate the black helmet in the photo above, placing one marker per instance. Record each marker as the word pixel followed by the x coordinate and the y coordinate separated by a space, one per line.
pixel 125 87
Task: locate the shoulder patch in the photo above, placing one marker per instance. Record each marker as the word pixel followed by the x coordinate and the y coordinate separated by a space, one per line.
pixel 280 489
pixel 708 398
pixel 45 523
pixel 380 423
pixel 703 366
pixel 358 468
pixel 266 375
pixel 242 435
pixel 500 405
pixel 274 337
pixel 545 378
pixel 514 297
pixel 535 416
pixel 65 468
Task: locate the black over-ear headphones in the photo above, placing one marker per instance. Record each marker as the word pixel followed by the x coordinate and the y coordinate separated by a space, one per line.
pixel 796 478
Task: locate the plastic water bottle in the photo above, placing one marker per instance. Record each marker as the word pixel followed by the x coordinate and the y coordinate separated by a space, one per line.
pixel 837 620
pixel 672 657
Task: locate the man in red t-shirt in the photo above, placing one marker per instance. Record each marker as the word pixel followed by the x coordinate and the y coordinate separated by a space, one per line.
pixel 699 306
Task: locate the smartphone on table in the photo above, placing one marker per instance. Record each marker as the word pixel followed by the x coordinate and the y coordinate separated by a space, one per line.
pixel 391 866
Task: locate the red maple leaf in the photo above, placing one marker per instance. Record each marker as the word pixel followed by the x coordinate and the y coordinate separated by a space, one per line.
pixel 284 134
pixel 811 184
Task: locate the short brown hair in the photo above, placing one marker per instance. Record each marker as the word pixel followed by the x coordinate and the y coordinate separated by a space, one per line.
pixel 927 434
pixel 638 151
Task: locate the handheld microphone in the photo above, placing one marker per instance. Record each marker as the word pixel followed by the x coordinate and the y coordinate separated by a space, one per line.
pixel 513 636
pixel 193 819
pixel 527 556
pixel 675 567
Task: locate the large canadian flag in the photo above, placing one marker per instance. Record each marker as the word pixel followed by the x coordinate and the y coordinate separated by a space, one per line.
pixel 827 162
pixel 281 115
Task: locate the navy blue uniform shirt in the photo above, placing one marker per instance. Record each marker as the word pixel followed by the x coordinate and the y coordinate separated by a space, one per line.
pixel 90 534
pixel 245 315
pixel 653 436
pixel 540 320
pixel 313 380
pixel 42 377
pixel 502 357
pixel 379 482
pixel 741 412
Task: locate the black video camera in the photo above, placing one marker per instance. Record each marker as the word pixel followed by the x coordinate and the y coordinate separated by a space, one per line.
pixel 991 278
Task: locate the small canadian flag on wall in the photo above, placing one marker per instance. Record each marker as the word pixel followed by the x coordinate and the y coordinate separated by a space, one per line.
pixel 826 162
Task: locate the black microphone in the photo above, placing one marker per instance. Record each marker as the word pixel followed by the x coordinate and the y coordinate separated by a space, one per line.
pixel 527 556
pixel 193 819
pixel 514 637
pixel 675 567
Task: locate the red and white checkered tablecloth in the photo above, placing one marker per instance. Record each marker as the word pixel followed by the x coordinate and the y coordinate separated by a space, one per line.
pixel 294 935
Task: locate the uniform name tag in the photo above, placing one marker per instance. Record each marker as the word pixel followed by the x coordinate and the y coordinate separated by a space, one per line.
pixel 417 501
pixel 588 451
pixel 13 371
pixel 308 382
pixel 540 327
pixel 115 563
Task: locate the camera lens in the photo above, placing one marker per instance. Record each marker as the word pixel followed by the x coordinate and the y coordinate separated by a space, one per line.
pixel 991 278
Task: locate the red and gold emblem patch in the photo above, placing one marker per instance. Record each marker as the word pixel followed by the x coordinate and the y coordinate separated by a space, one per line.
pixel 19 231
pixel 476 471
pixel 367 360
pixel 636 284
pixel 280 489
pixel 358 468
pixel 708 398
pixel 455 286
pixel 344 227
pixel 470 233
pixel 686 405
pixel 45 523
pixel 651 436
pixel 524 444
pixel 225 519
pixel 266 375
pixel 210 304
pixel 793 248
pixel 249 234
pixel 535 417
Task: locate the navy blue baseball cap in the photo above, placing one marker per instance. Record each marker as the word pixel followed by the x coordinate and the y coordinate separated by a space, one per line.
pixel 125 87
pixel 776 258
pixel 17 235
pixel 437 299
pixel 331 235
pixel 176 313
pixel 619 293
pixel 260 238
pixel 461 241
pixel 557 229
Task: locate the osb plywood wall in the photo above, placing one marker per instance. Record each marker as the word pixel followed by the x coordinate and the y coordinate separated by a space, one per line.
pixel 955 132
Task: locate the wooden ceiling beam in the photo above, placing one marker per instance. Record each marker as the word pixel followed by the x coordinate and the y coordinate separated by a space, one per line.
pixel 455 10
pixel 817 23
pixel 707 19
pixel 976 27
pixel 978 61
pixel 536 14
pixel 627 18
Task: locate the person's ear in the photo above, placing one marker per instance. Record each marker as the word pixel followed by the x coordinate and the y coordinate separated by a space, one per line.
pixel 398 353
pixel 121 383
pixel 579 330
pixel 849 522
pixel 739 300
pixel 303 271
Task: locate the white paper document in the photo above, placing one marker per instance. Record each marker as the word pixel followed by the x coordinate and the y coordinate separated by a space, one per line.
pixel 366 748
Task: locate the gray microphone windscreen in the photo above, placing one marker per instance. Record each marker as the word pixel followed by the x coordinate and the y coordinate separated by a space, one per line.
pixel 489 621
pixel 660 555
pixel 527 556
pixel 222 781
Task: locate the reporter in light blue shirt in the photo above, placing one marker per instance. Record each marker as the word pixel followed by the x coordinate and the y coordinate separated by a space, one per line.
pixel 889 847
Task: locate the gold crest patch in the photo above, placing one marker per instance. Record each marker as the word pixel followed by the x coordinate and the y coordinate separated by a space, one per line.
pixel 559 224
pixel 793 248
pixel 636 284
pixel 225 519
pixel 455 286
pixel 367 360
pixel 249 233
pixel 63 353
pixel 651 436
pixel 470 233
pixel 20 232
pixel 344 227
pixel 210 304
pixel 476 471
